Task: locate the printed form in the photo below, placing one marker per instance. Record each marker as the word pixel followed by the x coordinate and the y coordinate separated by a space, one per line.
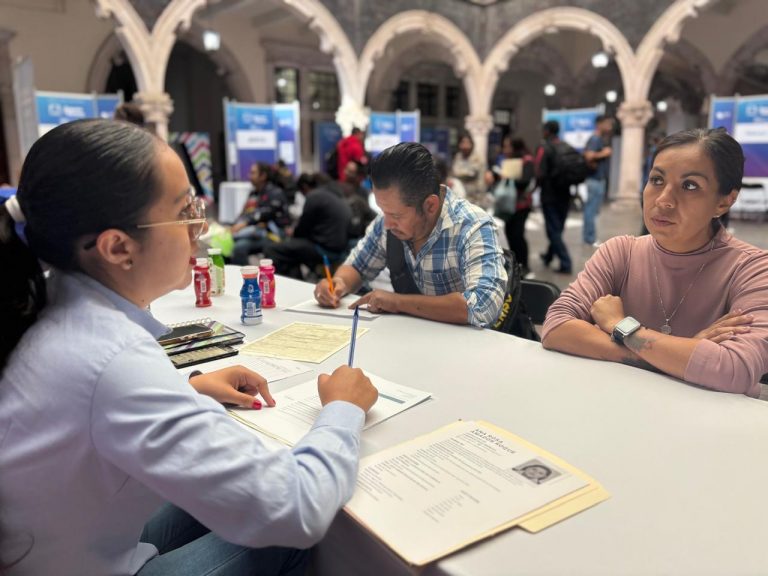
pixel 303 342
pixel 464 482
pixel 298 407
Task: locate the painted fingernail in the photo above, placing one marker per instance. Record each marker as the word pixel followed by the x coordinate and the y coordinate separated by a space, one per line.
pixel 256 404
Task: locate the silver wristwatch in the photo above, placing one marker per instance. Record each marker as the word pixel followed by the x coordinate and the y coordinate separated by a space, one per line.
pixel 624 329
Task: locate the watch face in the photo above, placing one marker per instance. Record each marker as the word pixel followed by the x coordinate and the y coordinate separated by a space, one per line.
pixel 627 325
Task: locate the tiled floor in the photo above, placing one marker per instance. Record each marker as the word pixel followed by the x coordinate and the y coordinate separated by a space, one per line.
pixel 614 220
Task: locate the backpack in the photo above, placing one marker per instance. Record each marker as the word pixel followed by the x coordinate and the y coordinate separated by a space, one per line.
pixel 514 318
pixel 332 163
pixel 570 165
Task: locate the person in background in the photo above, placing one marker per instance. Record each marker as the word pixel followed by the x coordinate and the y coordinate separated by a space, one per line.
pixel 514 224
pixel 321 229
pixel 351 149
pixel 469 168
pixel 598 156
pixel 129 112
pixel 357 198
pixel 264 217
pixel 555 198
pixel 442 254
pixel 134 468
pixel 689 299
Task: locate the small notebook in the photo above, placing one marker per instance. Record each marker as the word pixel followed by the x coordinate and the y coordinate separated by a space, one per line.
pixel 221 334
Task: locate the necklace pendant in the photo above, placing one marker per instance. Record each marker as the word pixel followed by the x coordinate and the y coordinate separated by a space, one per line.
pixel 666 329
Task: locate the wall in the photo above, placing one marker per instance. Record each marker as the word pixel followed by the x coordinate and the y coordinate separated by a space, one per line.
pixel 62 39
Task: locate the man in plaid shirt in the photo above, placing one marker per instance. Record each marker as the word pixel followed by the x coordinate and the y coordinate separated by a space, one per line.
pixel 442 252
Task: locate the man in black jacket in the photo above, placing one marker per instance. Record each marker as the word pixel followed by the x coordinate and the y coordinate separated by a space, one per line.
pixel 321 229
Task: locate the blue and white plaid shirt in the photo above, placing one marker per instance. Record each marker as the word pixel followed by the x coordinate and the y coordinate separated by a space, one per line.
pixel 462 254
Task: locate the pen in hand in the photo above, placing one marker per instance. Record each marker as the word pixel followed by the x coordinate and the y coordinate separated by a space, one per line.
pixel 355 318
pixel 328 276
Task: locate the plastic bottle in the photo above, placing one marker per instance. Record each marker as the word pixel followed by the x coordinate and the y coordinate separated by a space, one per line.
pixel 267 283
pixel 250 296
pixel 216 268
pixel 202 283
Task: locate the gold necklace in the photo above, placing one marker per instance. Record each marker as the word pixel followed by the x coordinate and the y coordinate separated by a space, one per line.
pixel 666 328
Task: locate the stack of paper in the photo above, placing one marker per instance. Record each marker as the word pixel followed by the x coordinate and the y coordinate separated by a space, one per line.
pixel 462 483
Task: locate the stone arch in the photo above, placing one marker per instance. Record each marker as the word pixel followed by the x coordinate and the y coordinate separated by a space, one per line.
pixel 665 30
pixel 746 52
pixel 102 63
pixel 224 58
pixel 549 21
pixel 428 25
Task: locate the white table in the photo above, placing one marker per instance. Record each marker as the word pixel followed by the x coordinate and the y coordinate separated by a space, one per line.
pixel 686 467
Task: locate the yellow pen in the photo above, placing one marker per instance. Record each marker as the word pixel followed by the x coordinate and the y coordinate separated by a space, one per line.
pixel 328 274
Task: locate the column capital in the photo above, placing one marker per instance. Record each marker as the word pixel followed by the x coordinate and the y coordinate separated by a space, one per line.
pixel 352 115
pixel 478 124
pixel 635 114
pixel 157 108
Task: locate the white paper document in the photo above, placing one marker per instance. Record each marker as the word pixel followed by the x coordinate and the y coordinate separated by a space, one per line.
pixel 343 311
pixel 435 494
pixel 298 407
pixel 272 369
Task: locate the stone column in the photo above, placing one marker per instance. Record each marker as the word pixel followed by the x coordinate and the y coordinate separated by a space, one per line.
pixel 157 108
pixel 633 116
pixel 351 115
pixel 479 127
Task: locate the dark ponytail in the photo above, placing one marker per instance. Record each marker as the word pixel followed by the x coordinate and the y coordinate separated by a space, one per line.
pixel 77 180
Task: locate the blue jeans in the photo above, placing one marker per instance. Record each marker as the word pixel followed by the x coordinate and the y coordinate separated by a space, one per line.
pixel 187 548
pixel 595 196
pixel 555 214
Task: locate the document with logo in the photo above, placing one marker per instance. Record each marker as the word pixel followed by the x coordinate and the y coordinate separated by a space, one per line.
pixel 467 481
pixel 298 407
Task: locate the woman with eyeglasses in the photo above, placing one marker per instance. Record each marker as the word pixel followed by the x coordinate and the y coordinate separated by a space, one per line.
pixel 112 462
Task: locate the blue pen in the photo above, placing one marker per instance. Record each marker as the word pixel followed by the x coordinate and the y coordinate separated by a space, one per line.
pixel 352 340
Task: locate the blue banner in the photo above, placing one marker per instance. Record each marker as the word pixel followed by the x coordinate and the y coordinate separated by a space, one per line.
pixel 58 108
pixel 576 126
pixel 409 126
pixel 54 108
pixel 288 144
pixel 751 130
pixel 260 133
pixel 327 135
pixel 722 112
pixel 437 141
pixel 386 129
pixel 106 105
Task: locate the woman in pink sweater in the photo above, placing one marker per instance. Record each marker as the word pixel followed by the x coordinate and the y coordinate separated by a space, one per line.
pixel 689 300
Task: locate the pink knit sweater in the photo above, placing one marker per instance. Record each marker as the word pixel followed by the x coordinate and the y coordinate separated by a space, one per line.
pixel 735 276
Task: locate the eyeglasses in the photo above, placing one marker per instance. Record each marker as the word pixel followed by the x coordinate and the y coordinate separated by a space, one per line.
pixel 193 217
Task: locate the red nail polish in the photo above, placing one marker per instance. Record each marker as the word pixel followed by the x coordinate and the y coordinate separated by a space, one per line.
pixel 256 404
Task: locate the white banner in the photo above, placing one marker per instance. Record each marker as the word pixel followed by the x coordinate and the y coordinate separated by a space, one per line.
pixel 256 139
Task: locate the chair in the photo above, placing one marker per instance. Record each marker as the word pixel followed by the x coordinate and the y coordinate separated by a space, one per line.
pixel 538 295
